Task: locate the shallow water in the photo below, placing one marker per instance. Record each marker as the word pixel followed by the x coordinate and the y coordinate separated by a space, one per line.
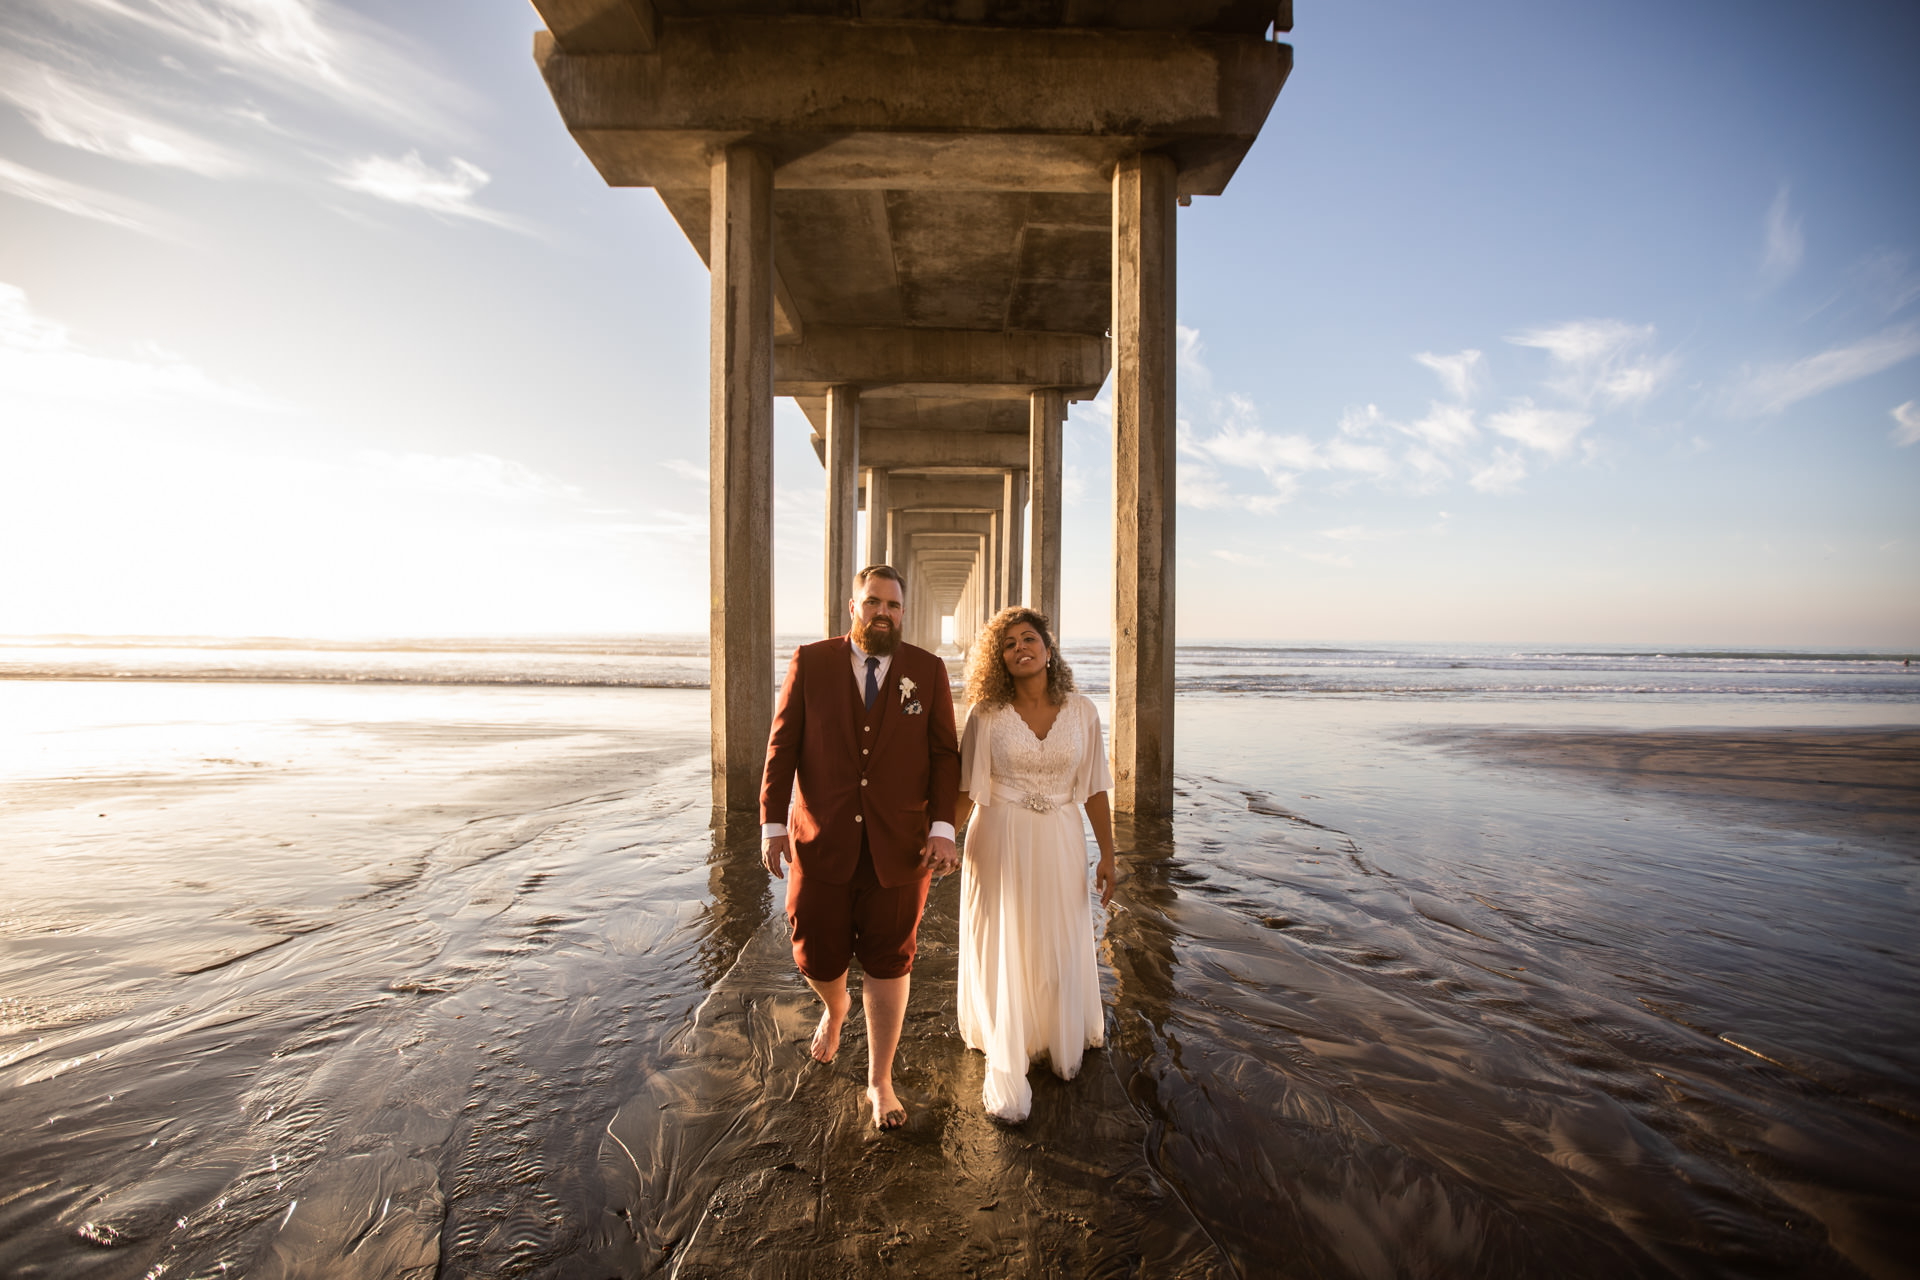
pixel 385 981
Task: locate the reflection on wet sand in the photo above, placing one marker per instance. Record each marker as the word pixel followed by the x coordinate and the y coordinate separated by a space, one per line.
pixel 512 1006
pixel 742 1148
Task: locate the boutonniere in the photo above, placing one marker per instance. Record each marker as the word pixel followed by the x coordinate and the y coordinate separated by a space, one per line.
pixel 910 708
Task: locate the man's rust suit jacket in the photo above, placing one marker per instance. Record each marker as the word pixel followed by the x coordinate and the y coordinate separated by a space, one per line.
pixel 887 772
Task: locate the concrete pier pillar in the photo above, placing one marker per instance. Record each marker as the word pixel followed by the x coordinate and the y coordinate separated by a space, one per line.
pixel 876 549
pixel 843 502
pixel 992 597
pixel 740 458
pixel 1013 518
pixel 967 621
pixel 923 607
pixel 1143 483
pixel 1046 413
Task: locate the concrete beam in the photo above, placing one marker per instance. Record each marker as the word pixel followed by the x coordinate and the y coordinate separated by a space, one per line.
pixel 740 469
pixel 1143 484
pixel 584 27
pixel 944 414
pixel 935 363
pixel 917 104
pixel 908 525
pixel 957 493
pixel 899 450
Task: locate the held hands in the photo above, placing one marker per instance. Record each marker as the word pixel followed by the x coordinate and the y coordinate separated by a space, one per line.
pixel 942 856
pixel 775 850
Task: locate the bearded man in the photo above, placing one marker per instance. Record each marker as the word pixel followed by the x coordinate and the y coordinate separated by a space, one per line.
pixel 864 726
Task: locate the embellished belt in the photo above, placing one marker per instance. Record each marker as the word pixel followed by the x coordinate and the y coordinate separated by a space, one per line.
pixel 1039 803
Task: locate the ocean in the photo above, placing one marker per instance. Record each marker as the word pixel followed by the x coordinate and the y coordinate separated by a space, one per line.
pixel 680 662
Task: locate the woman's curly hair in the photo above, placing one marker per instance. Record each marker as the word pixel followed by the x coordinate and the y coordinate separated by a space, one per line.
pixel 988 684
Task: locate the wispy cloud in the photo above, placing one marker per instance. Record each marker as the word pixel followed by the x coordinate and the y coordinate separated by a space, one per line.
pixel 411 181
pixel 1786 244
pixel 1445 427
pixel 1771 388
pixel 681 467
pixel 1502 475
pixel 1906 419
pixel 1240 443
pixel 1240 558
pixel 1200 486
pixel 1887 280
pixel 1600 361
pixel 471 475
pixel 1551 431
pixel 1460 373
pixel 1337 559
pixel 92 119
pixel 78 199
pixel 1187 357
pixel 304 47
pixel 39 359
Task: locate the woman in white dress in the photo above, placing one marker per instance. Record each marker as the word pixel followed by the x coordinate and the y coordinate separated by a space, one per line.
pixel 1030 758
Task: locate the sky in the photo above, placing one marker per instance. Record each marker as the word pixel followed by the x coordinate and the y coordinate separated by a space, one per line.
pixel 1519 323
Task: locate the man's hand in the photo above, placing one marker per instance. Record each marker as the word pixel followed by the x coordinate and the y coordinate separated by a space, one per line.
pixel 774 851
pixel 940 853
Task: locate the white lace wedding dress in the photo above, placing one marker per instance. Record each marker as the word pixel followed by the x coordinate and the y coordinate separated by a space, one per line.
pixel 1027 982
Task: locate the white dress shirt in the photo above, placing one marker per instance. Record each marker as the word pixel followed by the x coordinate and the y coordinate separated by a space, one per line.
pixel 940 830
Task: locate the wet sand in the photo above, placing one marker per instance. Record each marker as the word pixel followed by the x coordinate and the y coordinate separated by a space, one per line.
pixel 1856 780
pixel 350 982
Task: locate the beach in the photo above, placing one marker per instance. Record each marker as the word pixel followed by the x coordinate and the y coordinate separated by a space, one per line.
pixel 324 977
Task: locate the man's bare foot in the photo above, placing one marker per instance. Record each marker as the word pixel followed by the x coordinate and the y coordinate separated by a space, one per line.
pixel 826 1037
pixel 887 1111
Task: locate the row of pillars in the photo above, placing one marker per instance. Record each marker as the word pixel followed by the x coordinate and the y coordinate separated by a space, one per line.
pixel 741 470
pixel 967 558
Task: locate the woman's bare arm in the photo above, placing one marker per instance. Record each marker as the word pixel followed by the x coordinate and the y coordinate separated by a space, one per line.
pixel 1101 816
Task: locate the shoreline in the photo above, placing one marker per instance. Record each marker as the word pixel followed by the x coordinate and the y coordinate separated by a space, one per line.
pixel 1866 777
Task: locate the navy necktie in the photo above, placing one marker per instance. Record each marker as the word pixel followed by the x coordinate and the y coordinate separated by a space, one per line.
pixel 873 681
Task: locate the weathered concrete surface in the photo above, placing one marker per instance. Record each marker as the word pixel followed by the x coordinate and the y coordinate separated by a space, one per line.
pixel 601 26
pixel 877 484
pixel 1013 517
pixel 917 105
pixel 939 363
pixel 1144 442
pixel 899 450
pixel 908 491
pixel 740 460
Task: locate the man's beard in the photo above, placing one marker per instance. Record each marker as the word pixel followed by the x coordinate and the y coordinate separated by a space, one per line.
pixel 879 637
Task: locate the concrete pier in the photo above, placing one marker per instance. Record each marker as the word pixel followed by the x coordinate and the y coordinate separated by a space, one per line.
pixel 965 202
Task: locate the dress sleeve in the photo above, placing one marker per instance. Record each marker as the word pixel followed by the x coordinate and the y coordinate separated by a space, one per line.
pixel 1092 776
pixel 976 757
